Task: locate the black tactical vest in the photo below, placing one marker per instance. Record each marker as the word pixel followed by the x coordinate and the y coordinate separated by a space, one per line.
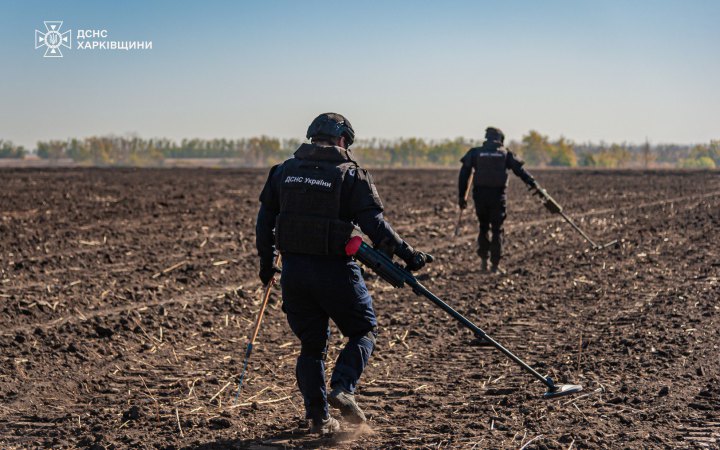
pixel 310 187
pixel 491 167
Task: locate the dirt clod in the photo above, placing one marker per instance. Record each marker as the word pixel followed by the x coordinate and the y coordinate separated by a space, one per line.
pixel 103 332
pixel 133 413
pixel 218 423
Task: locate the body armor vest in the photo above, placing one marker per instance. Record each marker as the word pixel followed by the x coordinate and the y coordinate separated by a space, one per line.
pixel 309 218
pixel 491 167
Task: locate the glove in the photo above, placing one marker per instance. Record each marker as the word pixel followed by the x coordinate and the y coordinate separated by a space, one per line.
pixel 418 261
pixel 414 260
pixel 462 203
pixel 267 271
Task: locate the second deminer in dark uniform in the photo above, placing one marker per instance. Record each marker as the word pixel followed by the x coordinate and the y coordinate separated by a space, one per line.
pixel 309 206
pixel 491 163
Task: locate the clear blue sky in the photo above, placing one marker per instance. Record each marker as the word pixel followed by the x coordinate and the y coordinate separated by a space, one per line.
pixel 590 70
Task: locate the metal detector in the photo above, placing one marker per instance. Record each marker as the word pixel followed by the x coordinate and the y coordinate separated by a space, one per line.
pixel 398 276
pixel 555 208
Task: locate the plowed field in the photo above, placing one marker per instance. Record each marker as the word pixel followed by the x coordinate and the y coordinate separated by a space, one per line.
pixel 126 297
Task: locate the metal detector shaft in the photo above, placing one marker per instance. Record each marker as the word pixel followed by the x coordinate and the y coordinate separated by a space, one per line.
pixel 419 289
pixel 256 330
pixel 398 276
pixel 572 224
pixel 554 207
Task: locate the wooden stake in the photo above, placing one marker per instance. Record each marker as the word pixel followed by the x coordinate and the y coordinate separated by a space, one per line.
pixel 266 297
pixel 460 214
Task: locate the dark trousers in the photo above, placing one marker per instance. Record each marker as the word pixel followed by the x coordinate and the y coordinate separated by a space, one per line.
pixel 316 289
pixel 490 207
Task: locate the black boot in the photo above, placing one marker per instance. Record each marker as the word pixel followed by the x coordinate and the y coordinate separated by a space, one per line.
pixel 345 402
pixel 325 427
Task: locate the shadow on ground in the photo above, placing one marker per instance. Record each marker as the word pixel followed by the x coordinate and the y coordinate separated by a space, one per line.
pixel 297 438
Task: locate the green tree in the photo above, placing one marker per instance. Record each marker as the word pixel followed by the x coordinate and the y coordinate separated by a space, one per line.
pixel 52 150
pixel 714 151
pixel 615 157
pixel 710 151
pixel 536 149
pixel 10 150
pixel 562 153
pixel 447 153
pixel 704 162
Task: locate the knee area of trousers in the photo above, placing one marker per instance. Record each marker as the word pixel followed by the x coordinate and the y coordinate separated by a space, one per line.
pixel 370 336
pixel 314 350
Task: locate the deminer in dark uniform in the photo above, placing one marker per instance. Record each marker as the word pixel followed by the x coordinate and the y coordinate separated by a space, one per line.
pixel 491 163
pixel 309 206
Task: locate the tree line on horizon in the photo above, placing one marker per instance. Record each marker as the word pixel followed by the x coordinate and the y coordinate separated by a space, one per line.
pixel 536 149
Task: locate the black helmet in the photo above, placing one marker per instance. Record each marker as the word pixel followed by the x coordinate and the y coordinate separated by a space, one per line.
pixel 333 125
pixel 494 134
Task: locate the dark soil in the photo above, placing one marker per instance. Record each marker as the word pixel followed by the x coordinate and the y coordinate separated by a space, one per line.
pixel 126 297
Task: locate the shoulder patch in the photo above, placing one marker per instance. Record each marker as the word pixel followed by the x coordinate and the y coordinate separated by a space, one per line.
pixel 307 181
